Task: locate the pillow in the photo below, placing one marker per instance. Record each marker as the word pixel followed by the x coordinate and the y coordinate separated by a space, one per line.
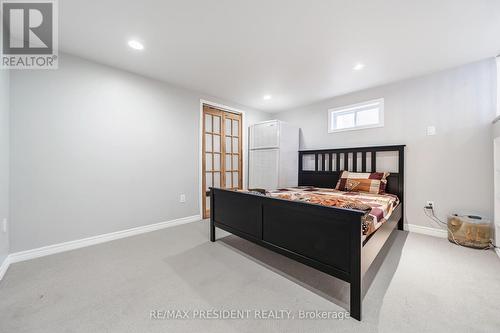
pixel 374 182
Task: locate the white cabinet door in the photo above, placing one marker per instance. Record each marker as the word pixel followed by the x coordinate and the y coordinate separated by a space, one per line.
pixel 263 169
pixel 265 135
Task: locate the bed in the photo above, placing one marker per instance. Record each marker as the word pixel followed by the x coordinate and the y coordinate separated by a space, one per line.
pixel 328 238
pixel 378 207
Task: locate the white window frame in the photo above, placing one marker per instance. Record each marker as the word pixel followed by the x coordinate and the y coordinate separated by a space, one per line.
pixel 354 108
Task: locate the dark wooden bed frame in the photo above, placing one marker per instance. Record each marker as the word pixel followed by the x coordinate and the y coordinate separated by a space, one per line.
pixel 325 238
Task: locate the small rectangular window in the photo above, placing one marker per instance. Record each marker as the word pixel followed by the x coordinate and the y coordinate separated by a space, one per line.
pixel 358 116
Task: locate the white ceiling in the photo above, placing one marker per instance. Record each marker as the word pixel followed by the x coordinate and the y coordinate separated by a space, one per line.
pixel 297 51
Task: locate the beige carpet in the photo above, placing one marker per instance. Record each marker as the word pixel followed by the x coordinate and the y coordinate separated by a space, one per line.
pixel 424 284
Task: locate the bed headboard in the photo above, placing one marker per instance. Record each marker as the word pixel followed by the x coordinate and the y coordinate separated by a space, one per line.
pixel 327 164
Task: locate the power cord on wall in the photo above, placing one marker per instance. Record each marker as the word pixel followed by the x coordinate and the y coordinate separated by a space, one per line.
pixel 429 212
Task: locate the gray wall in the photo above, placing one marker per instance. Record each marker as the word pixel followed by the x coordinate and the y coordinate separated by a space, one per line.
pixel 4 161
pixel 453 168
pixel 97 150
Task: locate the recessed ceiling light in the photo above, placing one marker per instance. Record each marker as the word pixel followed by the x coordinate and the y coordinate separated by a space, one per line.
pixel 359 66
pixel 267 97
pixel 135 45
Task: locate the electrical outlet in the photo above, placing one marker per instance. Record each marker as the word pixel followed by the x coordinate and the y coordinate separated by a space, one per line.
pixel 4 225
pixel 182 198
pixel 430 205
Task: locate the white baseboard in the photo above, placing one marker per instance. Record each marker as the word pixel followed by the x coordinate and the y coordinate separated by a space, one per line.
pixel 427 230
pixel 79 243
pixel 4 266
pixel 496 250
pixel 76 244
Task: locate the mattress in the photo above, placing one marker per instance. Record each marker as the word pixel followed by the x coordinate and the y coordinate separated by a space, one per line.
pixel 378 207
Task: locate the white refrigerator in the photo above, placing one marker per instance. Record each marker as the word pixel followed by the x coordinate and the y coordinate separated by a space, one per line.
pixel 273 155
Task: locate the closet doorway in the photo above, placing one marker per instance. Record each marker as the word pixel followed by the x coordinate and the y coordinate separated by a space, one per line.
pixel 222 158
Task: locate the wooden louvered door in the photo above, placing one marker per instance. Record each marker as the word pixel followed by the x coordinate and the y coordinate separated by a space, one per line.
pixel 222 162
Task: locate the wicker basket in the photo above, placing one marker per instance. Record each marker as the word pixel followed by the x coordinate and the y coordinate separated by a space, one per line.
pixel 469 230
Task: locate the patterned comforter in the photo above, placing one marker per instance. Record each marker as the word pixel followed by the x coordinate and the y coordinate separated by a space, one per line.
pixel 378 207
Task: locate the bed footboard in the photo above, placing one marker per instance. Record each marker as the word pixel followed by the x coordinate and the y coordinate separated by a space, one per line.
pixel 325 238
